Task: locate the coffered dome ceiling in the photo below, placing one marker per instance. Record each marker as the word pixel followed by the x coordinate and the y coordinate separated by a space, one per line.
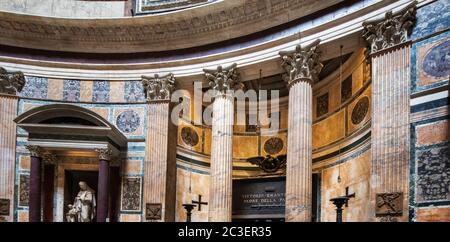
pixel 208 22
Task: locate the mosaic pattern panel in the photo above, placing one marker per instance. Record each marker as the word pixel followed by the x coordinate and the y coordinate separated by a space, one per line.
pixel 128 121
pixel 24 188
pixel 131 194
pixel 100 91
pixel 35 87
pixel 432 18
pixel 134 92
pixel 71 90
pixel 433 174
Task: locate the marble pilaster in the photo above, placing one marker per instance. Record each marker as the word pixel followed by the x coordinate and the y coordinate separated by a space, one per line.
pixel 10 84
pixel 222 81
pixel 302 67
pixel 160 151
pixel 390 59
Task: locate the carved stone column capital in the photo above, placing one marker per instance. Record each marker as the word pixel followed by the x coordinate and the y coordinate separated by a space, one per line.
pixel 35 150
pixel 104 154
pixel 49 158
pixel 158 88
pixel 223 79
pixel 391 30
pixel 302 64
pixel 11 82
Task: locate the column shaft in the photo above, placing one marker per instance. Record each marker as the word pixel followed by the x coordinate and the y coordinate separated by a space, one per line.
pixel 103 194
pixel 160 159
pixel 35 189
pixel 299 153
pixel 221 160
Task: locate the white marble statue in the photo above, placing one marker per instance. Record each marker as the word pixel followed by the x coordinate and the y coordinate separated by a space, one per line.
pixel 83 208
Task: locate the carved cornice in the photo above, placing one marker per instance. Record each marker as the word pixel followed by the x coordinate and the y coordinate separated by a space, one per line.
pixel 104 154
pixel 199 26
pixel 391 30
pixel 223 79
pixel 11 82
pixel 302 64
pixel 158 88
pixel 35 150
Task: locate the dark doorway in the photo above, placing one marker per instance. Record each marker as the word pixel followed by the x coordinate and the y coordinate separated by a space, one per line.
pixel 71 187
pixel 315 197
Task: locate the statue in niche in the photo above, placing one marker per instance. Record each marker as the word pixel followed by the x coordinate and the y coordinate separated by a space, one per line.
pixel 83 208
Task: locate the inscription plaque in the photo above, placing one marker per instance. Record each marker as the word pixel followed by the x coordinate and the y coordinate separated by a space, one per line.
pixel 264 196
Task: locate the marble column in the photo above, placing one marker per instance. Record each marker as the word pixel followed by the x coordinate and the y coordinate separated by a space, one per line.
pixel 222 81
pixel 104 156
pixel 390 60
pixel 160 152
pixel 302 67
pixel 10 84
pixel 34 205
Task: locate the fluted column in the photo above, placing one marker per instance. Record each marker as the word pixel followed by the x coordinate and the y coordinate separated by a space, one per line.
pixel 160 151
pixel 10 84
pixel 302 68
pixel 222 81
pixel 390 59
pixel 104 156
pixel 34 204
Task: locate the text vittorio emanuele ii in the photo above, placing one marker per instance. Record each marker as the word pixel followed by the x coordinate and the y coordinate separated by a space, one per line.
pixel 260 198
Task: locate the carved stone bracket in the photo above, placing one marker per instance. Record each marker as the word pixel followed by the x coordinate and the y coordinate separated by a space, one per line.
pixel 389 204
pixel 104 154
pixel 11 82
pixel 223 79
pixel 302 64
pixel 35 150
pixel 391 30
pixel 158 88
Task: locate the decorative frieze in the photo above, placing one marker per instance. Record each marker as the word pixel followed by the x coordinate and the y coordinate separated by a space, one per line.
pixel 223 79
pixel 158 87
pixel 391 30
pixel 11 82
pixel 302 64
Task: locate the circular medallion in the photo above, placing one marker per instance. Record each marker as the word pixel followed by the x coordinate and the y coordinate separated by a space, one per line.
pixel 360 110
pixel 128 121
pixel 437 62
pixel 189 136
pixel 273 145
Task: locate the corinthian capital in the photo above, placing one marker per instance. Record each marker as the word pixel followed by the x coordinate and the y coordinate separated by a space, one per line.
pixel 223 79
pixel 104 154
pixel 11 82
pixel 158 87
pixel 392 29
pixel 302 64
pixel 35 150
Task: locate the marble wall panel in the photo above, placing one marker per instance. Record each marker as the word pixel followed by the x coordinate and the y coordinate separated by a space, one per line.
pixel 131 194
pixel 354 174
pixel 329 130
pixel 198 182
